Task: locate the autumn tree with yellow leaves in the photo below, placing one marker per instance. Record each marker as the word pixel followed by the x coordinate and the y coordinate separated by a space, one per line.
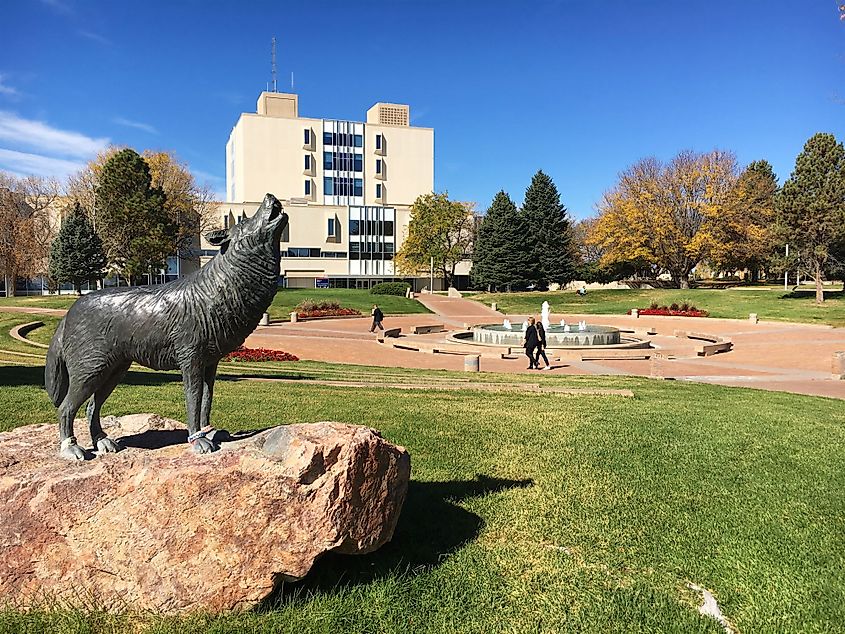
pixel 743 236
pixel 665 214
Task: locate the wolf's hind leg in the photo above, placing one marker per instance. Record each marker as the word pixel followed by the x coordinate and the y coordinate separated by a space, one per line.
pixel 102 443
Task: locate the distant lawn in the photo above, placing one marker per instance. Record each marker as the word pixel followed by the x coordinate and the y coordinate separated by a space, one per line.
pixel 769 303
pixel 541 512
pixel 39 301
pixel 287 299
pixel 283 304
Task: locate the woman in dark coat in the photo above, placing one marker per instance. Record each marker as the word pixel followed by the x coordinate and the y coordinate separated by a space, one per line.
pixel 532 340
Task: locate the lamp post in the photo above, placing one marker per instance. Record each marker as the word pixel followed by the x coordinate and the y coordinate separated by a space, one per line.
pixel 786 270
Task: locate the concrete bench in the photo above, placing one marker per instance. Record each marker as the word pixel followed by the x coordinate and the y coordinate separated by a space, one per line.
pixel 389 333
pixel 428 328
pixel 714 345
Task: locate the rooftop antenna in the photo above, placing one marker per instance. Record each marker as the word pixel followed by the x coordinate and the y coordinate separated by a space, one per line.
pixel 291 81
pixel 273 63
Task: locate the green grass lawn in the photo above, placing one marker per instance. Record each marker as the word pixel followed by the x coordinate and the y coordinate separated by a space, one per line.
pixel 769 303
pixel 287 299
pixel 283 303
pixel 541 512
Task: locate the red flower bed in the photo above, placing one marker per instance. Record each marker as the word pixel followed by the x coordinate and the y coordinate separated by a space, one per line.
pixel 259 354
pixel 673 313
pixel 332 312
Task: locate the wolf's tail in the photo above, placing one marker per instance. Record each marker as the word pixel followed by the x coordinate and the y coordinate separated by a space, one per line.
pixel 55 371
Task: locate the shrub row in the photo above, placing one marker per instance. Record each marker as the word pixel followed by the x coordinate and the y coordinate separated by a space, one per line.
pixel 391 288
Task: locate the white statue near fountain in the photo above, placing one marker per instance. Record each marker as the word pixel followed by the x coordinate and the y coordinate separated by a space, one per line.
pixel 506 324
pixel 566 328
pixel 544 316
pixel 562 322
pixel 525 325
pixel 582 326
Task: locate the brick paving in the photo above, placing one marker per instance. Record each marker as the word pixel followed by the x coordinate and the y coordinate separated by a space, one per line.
pixel 768 355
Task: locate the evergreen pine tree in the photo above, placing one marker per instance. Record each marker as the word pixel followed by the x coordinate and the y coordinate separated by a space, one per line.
pixel 501 257
pixel 553 252
pixel 138 234
pixel 76 255
pixel 811 205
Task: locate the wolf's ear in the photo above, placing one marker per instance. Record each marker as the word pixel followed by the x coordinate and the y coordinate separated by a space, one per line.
pixel 219 238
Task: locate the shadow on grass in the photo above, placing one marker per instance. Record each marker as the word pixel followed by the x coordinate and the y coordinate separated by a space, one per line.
pixel 810 293
pixel 16 375
pixel 431 527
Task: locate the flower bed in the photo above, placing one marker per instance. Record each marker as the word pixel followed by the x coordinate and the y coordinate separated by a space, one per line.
pixel 674 310
pixel 673 313
pixel 258 354
pixel 330 312
pixel 309 308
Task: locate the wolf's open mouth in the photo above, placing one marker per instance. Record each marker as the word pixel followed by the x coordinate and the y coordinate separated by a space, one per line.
pixel 275 212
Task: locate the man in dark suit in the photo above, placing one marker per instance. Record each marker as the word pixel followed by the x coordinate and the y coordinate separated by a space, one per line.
pixel 541 347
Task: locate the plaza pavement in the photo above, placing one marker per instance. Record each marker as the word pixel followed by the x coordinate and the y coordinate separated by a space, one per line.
pixel 776 356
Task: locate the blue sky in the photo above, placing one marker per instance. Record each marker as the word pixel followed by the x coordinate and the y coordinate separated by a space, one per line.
pixel 578 88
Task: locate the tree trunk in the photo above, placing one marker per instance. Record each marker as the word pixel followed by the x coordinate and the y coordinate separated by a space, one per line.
pixel 819 289
pixel 683 281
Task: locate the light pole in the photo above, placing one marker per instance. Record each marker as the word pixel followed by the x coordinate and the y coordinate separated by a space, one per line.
pixel 786 270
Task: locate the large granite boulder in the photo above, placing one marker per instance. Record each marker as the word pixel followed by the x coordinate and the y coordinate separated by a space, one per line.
pixel 158 527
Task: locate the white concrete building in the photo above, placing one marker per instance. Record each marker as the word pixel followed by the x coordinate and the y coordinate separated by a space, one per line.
pixel 347 186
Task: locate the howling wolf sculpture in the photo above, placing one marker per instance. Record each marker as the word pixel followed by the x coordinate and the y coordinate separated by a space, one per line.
pixel 188 324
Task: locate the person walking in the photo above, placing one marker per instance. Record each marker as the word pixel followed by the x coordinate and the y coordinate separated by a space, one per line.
pixel 530 343
pixel 541 347
pixel 378 316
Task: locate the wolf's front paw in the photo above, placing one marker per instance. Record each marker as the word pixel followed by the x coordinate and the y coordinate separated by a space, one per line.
pixel 71 451
pixel 204 445
pixel 107 445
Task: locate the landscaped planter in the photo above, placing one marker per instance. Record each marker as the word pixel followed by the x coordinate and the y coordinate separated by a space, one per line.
pixel 335 312
pixel 668 312
pixel 258 354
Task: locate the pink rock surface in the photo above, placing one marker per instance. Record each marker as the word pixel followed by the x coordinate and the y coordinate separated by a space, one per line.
pixel 156 526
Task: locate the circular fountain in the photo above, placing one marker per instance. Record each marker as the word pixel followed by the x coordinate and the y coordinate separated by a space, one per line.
pixel 563 336
pixel 556 336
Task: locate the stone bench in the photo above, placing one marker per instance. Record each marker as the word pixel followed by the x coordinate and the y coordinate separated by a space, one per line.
pixel 388 333
pixel 714 345
pixel 427 329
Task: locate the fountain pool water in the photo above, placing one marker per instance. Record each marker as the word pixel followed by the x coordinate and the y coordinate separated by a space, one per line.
pixel 556 336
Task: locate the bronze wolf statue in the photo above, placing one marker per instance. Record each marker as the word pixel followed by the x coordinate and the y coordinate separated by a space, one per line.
pixel 188 324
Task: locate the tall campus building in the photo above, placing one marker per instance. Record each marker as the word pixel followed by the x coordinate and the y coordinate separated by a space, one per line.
pixel 347 186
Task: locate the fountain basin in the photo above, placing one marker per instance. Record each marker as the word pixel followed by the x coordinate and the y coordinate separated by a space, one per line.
pixel 556 336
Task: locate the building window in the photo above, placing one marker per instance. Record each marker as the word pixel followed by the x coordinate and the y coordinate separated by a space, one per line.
pixel 328 160
pixel 307 186
pixel 378 190
pixel 359 140
pixel 331 228
pixel 308 161
pixel 359 163
pixel 388 227
pixel 300 252
pixel 354 230
pixel 327 138
pixel 378 166
pixel 359 187
pixel 307 136
pixel 378 142
pixel 328 188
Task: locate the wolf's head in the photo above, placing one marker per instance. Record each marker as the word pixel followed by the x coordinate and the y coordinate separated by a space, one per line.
pixel 260 232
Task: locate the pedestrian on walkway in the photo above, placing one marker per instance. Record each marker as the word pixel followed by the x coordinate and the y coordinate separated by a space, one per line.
pixel 378 316
pixel 541 347
pixel 530 343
